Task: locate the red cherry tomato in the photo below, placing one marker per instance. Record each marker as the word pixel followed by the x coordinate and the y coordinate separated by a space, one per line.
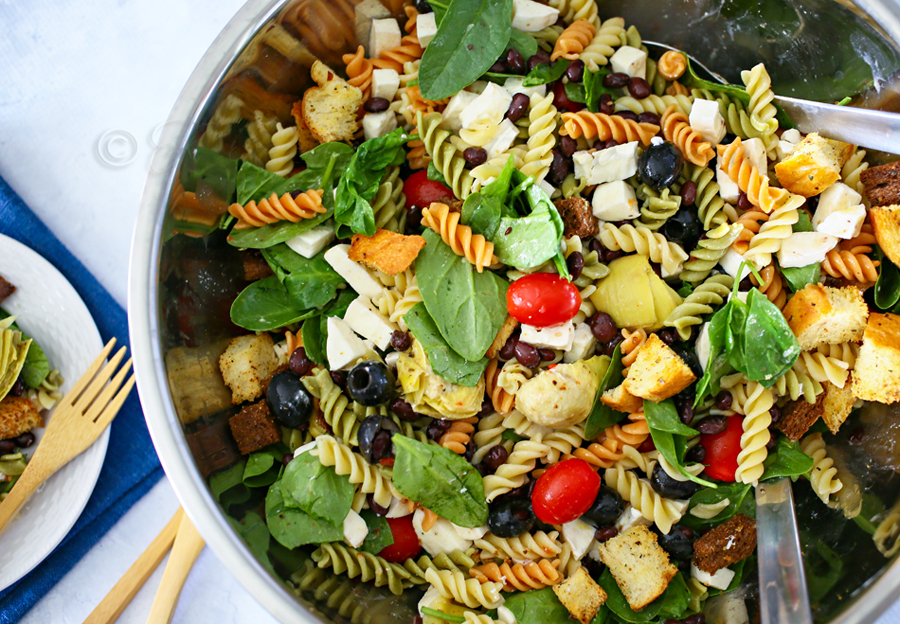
pixel 722 450
pixel 543 299
pixel 420 191
pixel 406 542
pixel 561 100
pixel 565 492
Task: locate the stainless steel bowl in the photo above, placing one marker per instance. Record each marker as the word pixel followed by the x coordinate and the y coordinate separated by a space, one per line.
pixel 812 48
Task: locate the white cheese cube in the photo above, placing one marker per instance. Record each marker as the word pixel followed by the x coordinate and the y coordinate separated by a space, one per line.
pixel 378 124
pixel 553 337
pixel 359 277
pixel 426 28
pixel 741 296
pixel 547 188
pixel 630 61
pixel 614 163
pixel 728 188
pixel 578 535
pixel 803 248
pixel 706 119
pixel 629 518
pixel 731 262
pixel 789 140
pixel 312 241
pixel 583 344
pixel 343 346
pixel 584 163
pixel 514 86
pixel 355 529
pixel 454 107
pixel 385 35
pixel 755 151
pixel 840 212
pixel 365 319
pixel 441 538
pixel 385 83
pixel 490 106
pixel 475 533
pixel 503 139
pixel 719 580
pixel 615 201
pixel 530 16
pixel 702 346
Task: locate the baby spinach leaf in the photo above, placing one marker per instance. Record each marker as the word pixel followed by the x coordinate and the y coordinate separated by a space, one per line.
pixel 663 416
pixel 537 607
pixel 444 361
pixel 333 155
pixel 717 366
pixel 523 42
pixel 735 493
pixel 594 89
pixel 255 183
pixel 316 489
pixel 799 278
pixel 544 73
pixel 263 466
pixel 887 287
pixel 440 480
pixel 269 235
pixel 310 282
pixel 227 486
pixel 379 536
pixel 291 527
pixel 575 92
pixel 265 305
pixel 669 435
pixel 315 333
pixel 36 367
pixel 787 460
pixel 470 38
pixel 770 348
pixel 468 307
pixel 255 533
pixel 217 172
pixel 602 415
pixel 672 604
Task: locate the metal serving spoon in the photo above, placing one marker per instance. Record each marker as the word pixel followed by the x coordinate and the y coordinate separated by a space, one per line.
pixel 871 129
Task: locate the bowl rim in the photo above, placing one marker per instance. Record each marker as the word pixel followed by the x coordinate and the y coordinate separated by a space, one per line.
pixel 162 421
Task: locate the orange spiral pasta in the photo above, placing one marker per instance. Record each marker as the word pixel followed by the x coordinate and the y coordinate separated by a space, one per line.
pixel 573 40
pixel 671 65
pixel 359 71
pixel 629 347
pixel 600 454
pixel 412 25
pixel 606 127
pixel 852 264
pixel 634 433
pixel 417 157
pixel 474 247
pixel 458 435
pixel 676 89
pixel 428 519
pixel 502 400
pixel 749 179
pixel 274 209
pixel 519 577
pixel 677 130
pixel 752 221
pixel 772 286
pixel 866 237
pixel 418 103
pixel 292 341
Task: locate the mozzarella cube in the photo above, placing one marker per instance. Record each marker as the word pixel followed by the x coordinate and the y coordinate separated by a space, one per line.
pixel 547 188
pixel 584 163
pixel 731 263
pixel 490 106
pixel 426 28
pixel 579 535
pixel 554 337
pixel 312 241
pixel 719 580
pixel 615 201
pixel 630 61
pixel 514 86
pixel 379 124
pixel 454 107
pixel 803 248
pixel 840 212
pixel 385 35
pixel 343 346
pixel 629 518
pixel 441 538
pixel 365 319
pixel 706 119
pixel 385 83
pixel 355 529
pixel 530 16
pixel 728 188
pixel 786 144
pixel 503 139
pixel 755 151
pixel 583 344
pixel 475 533
pixel 614 163
pixel 702 346
pixel 359 277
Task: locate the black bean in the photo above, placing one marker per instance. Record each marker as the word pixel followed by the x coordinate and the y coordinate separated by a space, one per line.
pixel 527 355
pixel 486 407
pixel 522 491
pixel 639 88
pixel 495 458
pixel 575 264
pixel 475 156
pixel 514 62
pixel 437 428
pixel 689 193
pixel 607 106
pixel 603 327
pixel 612 254
pixel 377 509
pixel 498 68
pixel 517 107
pixel 25 440
pixel 287 458
pixel 422 6
pixel 770 445
pixel 414 217
pixel 615 80
pixel 697 618
pixel 559 168
pixel 686 410
pixel 340 379
pixel 508 350
pixel 568 146
pixel 299 363
pixel 18 388
pixel 671 621
pixel 775 413
pixel 856 436
pixel 608 143
pixel 418 619
pixel 650 118
pixel 7 446
pixel 540 58
pixel 668 336
pixel 612 344
pixel 546 354
pixel 743 201
pixel 404 410
pixel 606 533
pixel 627 114
pixel 746 284
pixel 696 454
pixel 724 400
pixel 400 340
pixel 596 247
pixel 713 425
pixel 376 105
pixel 575 71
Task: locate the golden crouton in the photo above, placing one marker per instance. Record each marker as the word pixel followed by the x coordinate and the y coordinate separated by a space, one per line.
pixel 813 166
pixel 658 372
pixel 18 415
pixel 247 361
pixel 882 184
pixel 305 139
pixel 639 564
pixel 329 110
pixel 621 400
pixel 386 251
pixel 505 331
pixel 886 223
pixel 821 315
pixel 838 403
pixel 581 595
pixel 195 382
pixel 877 373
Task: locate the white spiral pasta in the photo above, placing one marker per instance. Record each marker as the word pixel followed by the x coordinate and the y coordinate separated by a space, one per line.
pixel 759 87
pixel 646 243
pixel 528 546
pixel 754 402
pixel 661 511
pixel 572 10
pixel 655 104
pixel 845 352
pixel 887 533
pixel 795 384
pixel 851 172
pixel 345 462
pixel 512 474
pixel 542 120
pixel 607 38
pixel 284 148
pixel 227 113
pixel 823 367
pixel 775 231
pixel 513 375
pixel 823 476
pixel 485 173
pixel 489 434
pixel 468 591
pixel 259 138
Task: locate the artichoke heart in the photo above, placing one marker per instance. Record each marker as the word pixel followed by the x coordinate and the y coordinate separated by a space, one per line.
pixel 433 395
pixel 634 296
pixel 13 350
pixel 563 395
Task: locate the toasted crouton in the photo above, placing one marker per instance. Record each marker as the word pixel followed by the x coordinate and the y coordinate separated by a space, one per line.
pixel 882 184
pixel 798 416
pixel 255 266
pixel 621 400
pixel 254 428
pixel 821 315
pixel 877 373
pixel 503 334
pixel 581 595
pixel 725 545
pixel 578 216
pixel 18 415
pixel 6 289
pixel 639 564
pixel 329 110
pixel 247 361
pixel 305 139
pixel 813 166
pixel 386 251
pixel 195 382
pixel 838 403
pixel 658 372
pixel 886 223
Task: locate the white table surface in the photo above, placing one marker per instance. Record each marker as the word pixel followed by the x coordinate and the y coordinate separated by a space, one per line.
pixel 84 88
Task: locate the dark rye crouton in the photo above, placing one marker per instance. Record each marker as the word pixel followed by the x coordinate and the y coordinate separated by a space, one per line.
pixel 725 545
pixel 255 266
pixel 882 184
pixel 578 216
pixel 6 289
pixel 254 428
pixel 798 416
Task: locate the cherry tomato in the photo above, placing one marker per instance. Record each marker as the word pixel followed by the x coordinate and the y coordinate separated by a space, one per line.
pixel 561 100
pixel 543 299
pixel 722 450
pixel 565 492
pixel 406 542
pixel 420 191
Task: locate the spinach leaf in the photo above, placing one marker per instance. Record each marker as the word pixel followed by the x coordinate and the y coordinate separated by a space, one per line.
pixel 887 287
pixel 669 435
pixel 204 167
pixel 736 493
pixel 471 36
pixel 316 489
pixel 328 156
pixel 263 466
pixel 717 366
pixel 292 527
pixel 269 235
pixel 523 42
pixel 804 222
pixel 255 183
pixel 594 89
pixel 227 487
pixel 36 367
pixel 265 305
pixel 255 533
pixel 440 480
pixel 672 604
pixel 663 416
pixel 310 282
pixel 544 73
pixel 468 307
pixel 444 361
pixel 537 607
pixel 770 348
pixel 824 568
pixel 379 536
pixel 575 92
pixel 602 415
pixel 799 278
pixel 434 174
pixel 787 460
pixel 315 335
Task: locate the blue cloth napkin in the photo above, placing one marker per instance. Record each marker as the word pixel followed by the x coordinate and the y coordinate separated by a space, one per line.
pixel 131 466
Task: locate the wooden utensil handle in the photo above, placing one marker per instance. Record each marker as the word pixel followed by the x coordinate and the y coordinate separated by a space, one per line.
pixel 185 550
pixel 25 486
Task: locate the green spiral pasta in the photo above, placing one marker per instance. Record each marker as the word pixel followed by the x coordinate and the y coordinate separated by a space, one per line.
pixel 709 251
pixel 342 415
pixel 658 207
pixel 712 292
pixel 389 202
pixel 655 104
pixel 444 154
pixel 368 567
pixel 456 560
pixel 711 208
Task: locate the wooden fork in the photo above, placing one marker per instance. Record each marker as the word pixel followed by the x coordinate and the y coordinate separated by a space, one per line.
pixel 78 420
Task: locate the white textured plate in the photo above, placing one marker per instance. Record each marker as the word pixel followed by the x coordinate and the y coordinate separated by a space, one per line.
pixel 52 312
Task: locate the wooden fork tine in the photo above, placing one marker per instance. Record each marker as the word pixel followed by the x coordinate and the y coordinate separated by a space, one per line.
pixel 113 407
pixel 85 379
pixel 90 393
pixel 106 396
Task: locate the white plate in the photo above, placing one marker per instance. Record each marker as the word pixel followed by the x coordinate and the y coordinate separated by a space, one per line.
pixel 52 312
